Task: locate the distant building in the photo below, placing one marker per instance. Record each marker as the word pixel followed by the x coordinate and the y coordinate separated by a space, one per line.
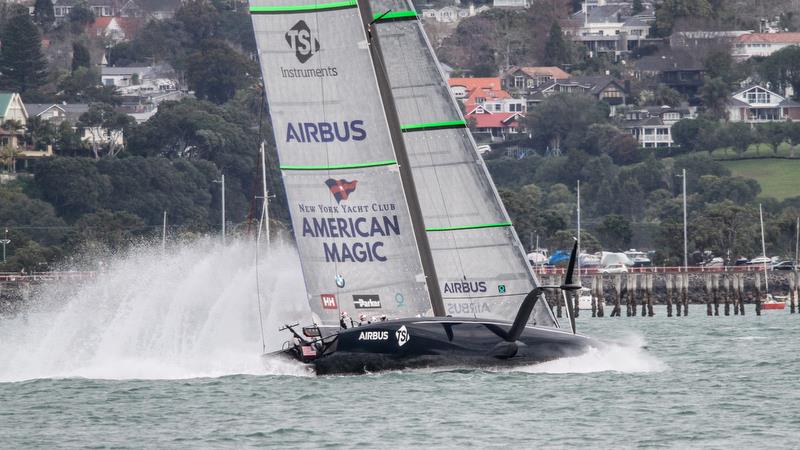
pixel 125 76
pixel 602 87
pixel 511 4
pixel 609 28
pixel 493 112
pixel 115 29
pixel 652 126
pixel 12 110
pixel 681 70
pixel 495 126
pixel 100 8
pixel 762 44
pixel 757 104
pixel 525 79
pixel 452 14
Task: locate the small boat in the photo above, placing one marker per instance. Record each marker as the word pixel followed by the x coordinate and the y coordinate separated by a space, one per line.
pixel 774 302
pixel 585 299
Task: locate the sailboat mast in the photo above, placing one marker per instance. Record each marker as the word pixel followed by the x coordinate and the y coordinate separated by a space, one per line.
pixel 763 247
pixel 578 261
pixel 403 163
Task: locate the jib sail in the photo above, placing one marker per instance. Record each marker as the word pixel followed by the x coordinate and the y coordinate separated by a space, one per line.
pixel 481 266
pixel 349 214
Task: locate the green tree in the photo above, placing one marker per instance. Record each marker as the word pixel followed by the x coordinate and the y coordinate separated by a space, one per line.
pixel 637 7
pixel 109 230
pixel 73 186
pixel 216 71
pixel 43 13
pixel 80 56
pixel 725 228
pixel 714 94
pixel 198 18
pixel 737 135
pixel 782 69
pixel 556 51
pixel 22 64
pixel 615 232
pixel 561 120
pixel 668 12
pixel 106 128
pixel 80 15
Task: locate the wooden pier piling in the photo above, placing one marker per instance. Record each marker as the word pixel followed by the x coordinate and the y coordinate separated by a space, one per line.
pixel 668 280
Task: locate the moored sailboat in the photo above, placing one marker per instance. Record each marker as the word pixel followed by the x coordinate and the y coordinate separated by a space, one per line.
pixel 394 213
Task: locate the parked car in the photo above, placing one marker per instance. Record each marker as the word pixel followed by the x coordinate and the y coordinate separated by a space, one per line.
pixel 614 268
pixel 740 262
pixel 760 260
pixel 784 265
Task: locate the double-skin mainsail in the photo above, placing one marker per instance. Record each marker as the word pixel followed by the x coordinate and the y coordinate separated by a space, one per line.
pixel 350 215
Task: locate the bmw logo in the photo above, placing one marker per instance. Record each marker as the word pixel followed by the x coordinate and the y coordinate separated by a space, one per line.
pixel 340 281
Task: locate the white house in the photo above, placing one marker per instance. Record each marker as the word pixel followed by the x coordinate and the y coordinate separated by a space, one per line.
pixel 757 104
pixel 762 44
pixel 452 14
pixel 608 28
pixel 124 76
pixel 652 126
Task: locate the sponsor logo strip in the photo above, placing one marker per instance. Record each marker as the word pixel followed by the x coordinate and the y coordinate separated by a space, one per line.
pixel 289 9
pixel 470 227
pixel 394 16
pixel 389 162
pixel 433 126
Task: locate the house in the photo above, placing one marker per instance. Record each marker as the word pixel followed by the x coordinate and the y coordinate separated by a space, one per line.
pixel 680 69
pixel 452 14
pixel 115 29
pixel 652 126
pixel 762 44
pixel 757 104
pixel 13 117
pixel 602 87
pixel 494 126
pixel 608 28
pixel 486 93
pixel 100 8
pixel 704 38
pixel 511 4
pixel 58 113
pixel 125 76
pixel 525 79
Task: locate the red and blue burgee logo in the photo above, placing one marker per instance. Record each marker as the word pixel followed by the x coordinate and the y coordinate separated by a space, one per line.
pixel 341 189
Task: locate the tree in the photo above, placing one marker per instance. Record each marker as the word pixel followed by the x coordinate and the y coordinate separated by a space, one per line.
pixel 714 94
pixel 73 186
pixel 556 52
pixel 43 13
pixel 669 12
pixel 737 135
pixel 637 7
pixel 106 127
pixel 662 95
pixel 22 64
pixel 216 71
pixel 562 120
pixel 107 229
pixel 199 18
pixel 782 69
pixel 80 15
pixel 80 56
pixel 725 228
pixel 615 232
pixel 687 133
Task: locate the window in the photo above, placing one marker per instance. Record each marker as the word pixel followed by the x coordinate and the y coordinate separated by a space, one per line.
pixel 662 131
pixel 648 131
pixel 531 83
pixel 519 81
pixel 515 107
pixel 480 100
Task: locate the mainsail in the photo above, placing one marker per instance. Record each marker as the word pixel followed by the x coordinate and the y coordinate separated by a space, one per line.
pixel 481 266
pixel 349 213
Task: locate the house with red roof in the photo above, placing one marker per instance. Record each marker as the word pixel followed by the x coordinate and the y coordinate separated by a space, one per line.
pixel 762 44
pixel 115 29
pixel 491 111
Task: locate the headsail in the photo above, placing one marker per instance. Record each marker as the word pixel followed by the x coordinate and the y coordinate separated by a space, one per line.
pixel 481 266
pixel 349 214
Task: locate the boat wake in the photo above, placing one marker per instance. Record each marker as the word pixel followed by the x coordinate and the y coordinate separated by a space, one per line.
pixel 626 356
pixel 188 313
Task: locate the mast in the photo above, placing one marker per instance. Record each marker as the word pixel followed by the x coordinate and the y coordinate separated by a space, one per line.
pixel 403 163
pixel 763 248
pixel 578 257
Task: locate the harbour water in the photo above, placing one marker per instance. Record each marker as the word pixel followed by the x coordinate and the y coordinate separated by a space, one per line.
pixel 162 351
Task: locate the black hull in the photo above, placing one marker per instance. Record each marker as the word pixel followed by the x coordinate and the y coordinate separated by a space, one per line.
pixel 438 342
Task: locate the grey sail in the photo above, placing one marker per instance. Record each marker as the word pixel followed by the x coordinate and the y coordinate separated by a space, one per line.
pixel 481 266
pixel 349 214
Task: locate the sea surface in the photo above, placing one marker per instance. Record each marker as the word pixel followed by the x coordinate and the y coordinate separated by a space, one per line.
pixel 162 351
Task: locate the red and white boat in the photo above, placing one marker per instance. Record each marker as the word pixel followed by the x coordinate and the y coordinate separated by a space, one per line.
pixel 773 303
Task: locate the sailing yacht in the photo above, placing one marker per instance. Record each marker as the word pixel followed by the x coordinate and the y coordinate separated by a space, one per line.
pixel 394 213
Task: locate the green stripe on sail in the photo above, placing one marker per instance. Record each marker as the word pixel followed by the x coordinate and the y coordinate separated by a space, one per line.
pixel 434 125
pixel 302 8
pixel 388 162
pixel 394 15
pixel 470 227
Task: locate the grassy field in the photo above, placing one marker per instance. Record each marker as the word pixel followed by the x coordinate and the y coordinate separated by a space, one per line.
pixel 779 178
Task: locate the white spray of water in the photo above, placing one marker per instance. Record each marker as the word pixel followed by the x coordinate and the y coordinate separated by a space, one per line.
pixel 191 312
pixel 628 356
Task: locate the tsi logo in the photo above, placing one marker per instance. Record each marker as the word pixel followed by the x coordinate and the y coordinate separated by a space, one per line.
pixel 402 336
pixel 302 42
